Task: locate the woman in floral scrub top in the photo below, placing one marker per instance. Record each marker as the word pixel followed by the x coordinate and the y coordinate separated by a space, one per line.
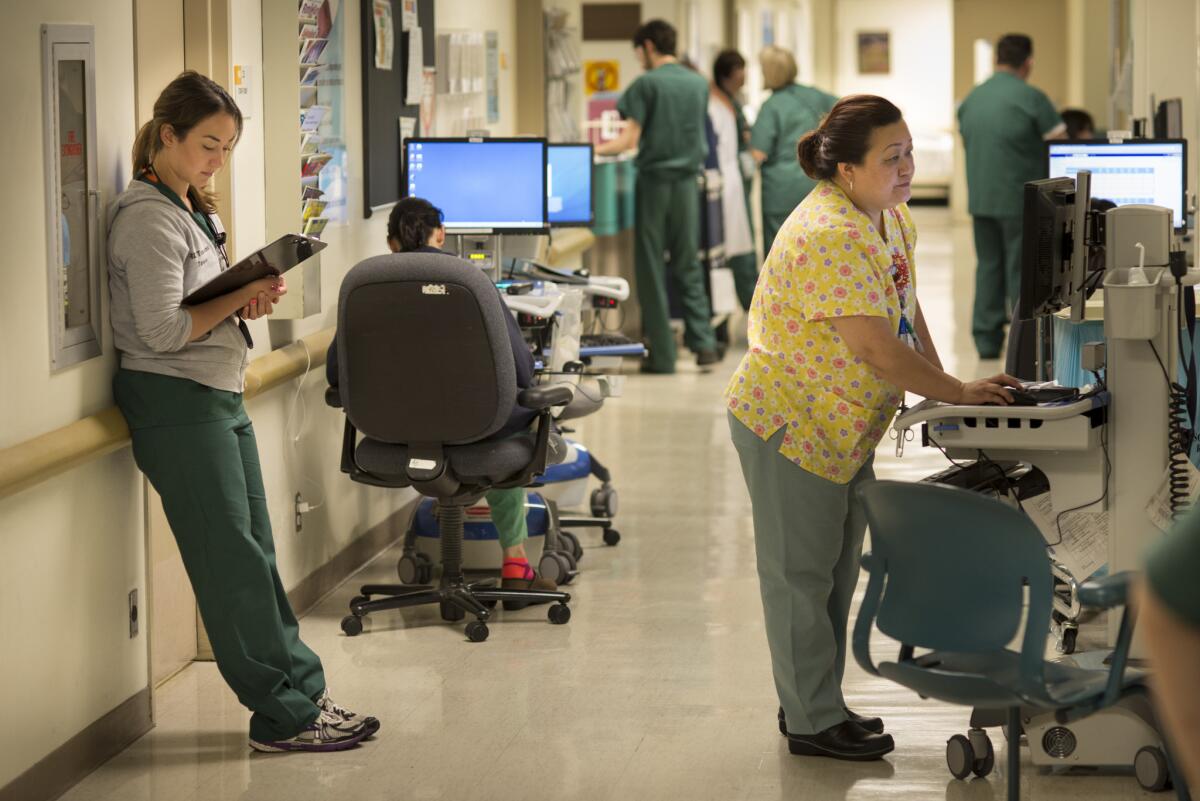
pixel 836 338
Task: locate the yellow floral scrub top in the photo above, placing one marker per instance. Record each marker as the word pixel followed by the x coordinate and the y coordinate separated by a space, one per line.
pixel 829 260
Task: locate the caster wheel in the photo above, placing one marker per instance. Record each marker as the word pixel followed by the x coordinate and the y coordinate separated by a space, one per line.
pixel 352 625
pixel 450 612
pixel 477 631
pixel 572 545
pixel 359 599
pixel 984 764
pixel 415 568
pixel 1067 646
pixel 611 536
pixel 559 614
pixel 960 757
pixel 1150 767
pixel 604 502
pixel 555 566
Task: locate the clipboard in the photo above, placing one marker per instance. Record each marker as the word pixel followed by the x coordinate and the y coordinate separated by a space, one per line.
pixel 275 259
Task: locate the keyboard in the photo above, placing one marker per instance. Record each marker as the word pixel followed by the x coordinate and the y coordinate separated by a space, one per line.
pixel 605 340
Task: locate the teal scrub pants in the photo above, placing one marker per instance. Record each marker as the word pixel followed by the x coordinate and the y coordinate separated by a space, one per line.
pixel 197 447
pixel 808 535
pixel 508 515
pixel 997 280
pixel 666 237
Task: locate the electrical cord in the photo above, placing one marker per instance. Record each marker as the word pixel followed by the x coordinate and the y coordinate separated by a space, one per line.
pixel 294 438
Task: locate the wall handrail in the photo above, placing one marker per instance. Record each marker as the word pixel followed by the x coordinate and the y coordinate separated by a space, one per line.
pixel 35 460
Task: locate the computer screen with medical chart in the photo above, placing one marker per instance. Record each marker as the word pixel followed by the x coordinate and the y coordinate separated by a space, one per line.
pixel 480 184
pixel 1151 172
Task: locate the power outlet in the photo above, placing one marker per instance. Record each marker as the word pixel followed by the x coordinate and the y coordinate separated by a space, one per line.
pixel 133 613
pixel 300 509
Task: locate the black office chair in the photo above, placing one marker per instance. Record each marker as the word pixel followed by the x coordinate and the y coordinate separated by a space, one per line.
pixel 426 377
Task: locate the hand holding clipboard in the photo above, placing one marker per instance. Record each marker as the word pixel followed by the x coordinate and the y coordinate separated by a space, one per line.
pixel 275 259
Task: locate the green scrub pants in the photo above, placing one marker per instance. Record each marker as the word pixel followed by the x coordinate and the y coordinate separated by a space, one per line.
pixel 508 515
pixel 997 280
pixel 745 277
pixel 772 221
pixel 197 447
pixel 808 535
pixel 666 237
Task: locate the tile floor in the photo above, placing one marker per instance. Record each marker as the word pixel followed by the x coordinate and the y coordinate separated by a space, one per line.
pixel 659 688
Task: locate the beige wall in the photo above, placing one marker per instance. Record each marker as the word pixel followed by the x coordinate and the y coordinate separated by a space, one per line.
pixel 1165 44
pixel 70 549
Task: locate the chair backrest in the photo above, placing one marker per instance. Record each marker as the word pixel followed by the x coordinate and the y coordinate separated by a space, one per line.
pixel 424 355
pixel 955 564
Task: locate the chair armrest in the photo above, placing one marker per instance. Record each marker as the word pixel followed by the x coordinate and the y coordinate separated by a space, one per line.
pixel 333 397
pixel 545 396
pixel 1106 592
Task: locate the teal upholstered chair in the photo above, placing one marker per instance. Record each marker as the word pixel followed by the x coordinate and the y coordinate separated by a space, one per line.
pixel 948 571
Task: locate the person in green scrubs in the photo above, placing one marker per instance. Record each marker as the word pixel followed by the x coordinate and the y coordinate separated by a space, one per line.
pixel 1003 122
pixel 179 387
pixel 729 76
pixel 665 112
pixel 791 111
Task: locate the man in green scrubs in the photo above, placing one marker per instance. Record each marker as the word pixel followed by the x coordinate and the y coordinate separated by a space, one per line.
pixel 665 112
pixel 791 111
pixel 1004 122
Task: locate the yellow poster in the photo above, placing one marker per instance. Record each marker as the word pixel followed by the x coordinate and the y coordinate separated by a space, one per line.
pixel 601 76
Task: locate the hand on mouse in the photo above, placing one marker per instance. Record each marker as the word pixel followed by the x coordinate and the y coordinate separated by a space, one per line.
pixel 988 390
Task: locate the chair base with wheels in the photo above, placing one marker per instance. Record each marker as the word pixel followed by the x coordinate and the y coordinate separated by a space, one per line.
pixel 560 551
pixel 455 596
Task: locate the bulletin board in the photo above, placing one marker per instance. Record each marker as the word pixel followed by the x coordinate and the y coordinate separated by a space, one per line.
pixel 384 103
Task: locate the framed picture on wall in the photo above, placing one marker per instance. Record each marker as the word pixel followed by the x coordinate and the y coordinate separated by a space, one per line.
pixel 874 53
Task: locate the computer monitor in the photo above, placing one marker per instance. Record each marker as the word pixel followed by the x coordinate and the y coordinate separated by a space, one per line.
pixel 1168 119
pixel 569 185
pixel 1048 215
pixel 481 185
pixel 1149 171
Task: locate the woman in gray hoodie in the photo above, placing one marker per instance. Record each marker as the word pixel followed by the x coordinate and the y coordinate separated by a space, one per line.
pixel 180 386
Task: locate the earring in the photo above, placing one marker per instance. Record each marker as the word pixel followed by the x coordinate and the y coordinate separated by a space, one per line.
pixel 851 184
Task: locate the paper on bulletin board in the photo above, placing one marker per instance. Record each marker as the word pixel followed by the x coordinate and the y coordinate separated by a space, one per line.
pixel 408 127
pixel 493 77
pixel 416 67
pixel 409 15
pixel 428 94
pixel 384 44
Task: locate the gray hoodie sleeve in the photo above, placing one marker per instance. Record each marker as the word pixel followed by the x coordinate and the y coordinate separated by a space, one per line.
pixel 153 253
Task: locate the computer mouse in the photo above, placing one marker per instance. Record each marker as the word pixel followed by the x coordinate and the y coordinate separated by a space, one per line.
pixel 1020 397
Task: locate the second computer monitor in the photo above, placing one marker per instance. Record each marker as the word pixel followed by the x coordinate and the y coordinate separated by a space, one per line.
pixel 481 185
pixel 569 185
pixel 1148 171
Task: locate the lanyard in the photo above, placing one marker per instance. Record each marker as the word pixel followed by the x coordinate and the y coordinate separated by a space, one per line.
pixel 149 176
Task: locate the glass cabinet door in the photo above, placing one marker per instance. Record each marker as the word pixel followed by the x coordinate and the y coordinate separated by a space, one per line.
pixel 72 207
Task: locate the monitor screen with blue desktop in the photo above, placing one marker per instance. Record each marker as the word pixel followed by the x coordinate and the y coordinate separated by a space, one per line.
pixel 569 184
pixel 496 185
pixel 1151 171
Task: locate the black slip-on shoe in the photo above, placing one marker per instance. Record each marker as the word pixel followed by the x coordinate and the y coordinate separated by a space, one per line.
pixel 873 725
pixel 847 740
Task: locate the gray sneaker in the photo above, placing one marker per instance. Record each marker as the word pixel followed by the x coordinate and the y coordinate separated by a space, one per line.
pixel 327 733
pixel 351 721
